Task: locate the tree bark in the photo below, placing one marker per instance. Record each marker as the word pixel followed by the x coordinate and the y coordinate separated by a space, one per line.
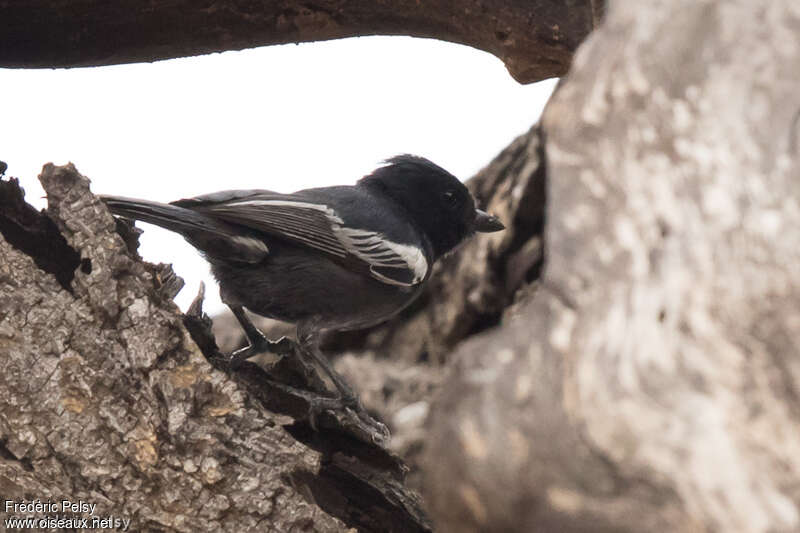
pixel 535 40
pixel 106 398
pixel 651 384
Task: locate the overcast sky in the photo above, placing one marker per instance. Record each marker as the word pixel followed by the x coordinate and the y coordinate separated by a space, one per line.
pixel 280 118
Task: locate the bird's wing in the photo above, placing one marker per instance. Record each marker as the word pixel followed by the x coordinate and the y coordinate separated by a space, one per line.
pixel 308 222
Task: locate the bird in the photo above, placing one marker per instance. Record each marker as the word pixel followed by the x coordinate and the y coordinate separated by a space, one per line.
pixel 326 259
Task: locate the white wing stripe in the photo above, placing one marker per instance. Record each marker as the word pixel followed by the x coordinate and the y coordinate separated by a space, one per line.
pixel 292 223
pixel 377 250
pixel 289 203
pixel 382 254
pixel 370 246
pixel 373 248
pixel 359 233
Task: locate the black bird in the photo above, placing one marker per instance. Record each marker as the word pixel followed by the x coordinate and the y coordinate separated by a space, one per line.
pixel 327 259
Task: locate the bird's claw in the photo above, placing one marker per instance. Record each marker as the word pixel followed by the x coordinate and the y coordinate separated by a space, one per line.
pixel 351 407
pixel 380 433
pixel 319 404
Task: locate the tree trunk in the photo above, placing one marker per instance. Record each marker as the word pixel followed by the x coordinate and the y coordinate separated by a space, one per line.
pixel 652 382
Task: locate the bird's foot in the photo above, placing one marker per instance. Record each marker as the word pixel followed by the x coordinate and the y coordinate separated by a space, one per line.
pixel 259 345
pixel 348 406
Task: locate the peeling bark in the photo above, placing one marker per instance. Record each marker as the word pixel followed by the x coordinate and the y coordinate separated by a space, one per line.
pixel 106 398
pixel 535 40
pixel 651 384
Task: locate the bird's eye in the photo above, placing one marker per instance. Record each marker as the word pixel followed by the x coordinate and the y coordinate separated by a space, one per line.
pixel 450 199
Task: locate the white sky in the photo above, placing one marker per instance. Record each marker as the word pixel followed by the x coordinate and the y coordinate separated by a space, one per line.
pixel 281 118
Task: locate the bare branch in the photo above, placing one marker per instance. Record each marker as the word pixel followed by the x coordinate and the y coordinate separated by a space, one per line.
pixel 534 39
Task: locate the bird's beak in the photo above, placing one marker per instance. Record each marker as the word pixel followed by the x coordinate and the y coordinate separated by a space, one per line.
pixel 486 223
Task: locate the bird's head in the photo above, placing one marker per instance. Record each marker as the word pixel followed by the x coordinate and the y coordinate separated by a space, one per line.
pixel 439 204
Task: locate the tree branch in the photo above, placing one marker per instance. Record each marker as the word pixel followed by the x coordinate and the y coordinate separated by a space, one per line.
pixel 534 39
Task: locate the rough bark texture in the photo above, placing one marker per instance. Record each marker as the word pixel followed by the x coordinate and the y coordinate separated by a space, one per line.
pixel 652 382
pixel 104 397
pixel 534 39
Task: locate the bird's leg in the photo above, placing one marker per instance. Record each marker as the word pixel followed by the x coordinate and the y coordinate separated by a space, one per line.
pixel 347 397
pixel 258 342
pixel 308 356
pixel 308 338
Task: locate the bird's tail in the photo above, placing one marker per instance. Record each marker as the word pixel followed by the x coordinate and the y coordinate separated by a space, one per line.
pixel 174 218
pixel 215 238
